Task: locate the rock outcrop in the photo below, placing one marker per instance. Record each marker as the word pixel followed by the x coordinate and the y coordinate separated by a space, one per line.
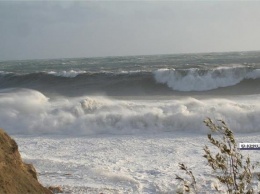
pixel 16 177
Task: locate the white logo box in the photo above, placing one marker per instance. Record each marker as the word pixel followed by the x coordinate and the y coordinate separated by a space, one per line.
pixel 249 146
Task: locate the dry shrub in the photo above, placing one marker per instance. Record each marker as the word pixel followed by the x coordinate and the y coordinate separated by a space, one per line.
pixel 230 167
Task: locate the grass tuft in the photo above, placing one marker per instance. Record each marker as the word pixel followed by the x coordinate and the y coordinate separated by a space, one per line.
pixel 232 170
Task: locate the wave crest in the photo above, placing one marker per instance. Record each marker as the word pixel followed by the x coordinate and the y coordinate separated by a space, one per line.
pixel 30 112
pixel 71 73
pixel 203 80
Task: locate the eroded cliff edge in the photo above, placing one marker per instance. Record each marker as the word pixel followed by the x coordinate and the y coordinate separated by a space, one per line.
pixel 16 177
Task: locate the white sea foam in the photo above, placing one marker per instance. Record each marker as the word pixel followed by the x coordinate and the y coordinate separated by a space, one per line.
pixel 30 112
pixel 196 80
pixel 133 164
pixel 71 73
pixel 131 72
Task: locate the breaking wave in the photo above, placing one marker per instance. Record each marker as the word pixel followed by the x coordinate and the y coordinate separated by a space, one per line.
pixel 203 80
pixel 160 81
pixel 30 112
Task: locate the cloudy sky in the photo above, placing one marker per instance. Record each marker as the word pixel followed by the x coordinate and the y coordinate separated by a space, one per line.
pixel 62 29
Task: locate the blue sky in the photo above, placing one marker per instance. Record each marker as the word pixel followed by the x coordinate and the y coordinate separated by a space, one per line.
pixel 61 29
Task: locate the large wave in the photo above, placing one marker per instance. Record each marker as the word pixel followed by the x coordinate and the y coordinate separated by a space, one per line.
pixel 138 82
pixel 202 80
pixel 26 111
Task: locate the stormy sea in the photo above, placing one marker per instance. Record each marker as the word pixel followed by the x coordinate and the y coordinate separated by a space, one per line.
pixel 122 124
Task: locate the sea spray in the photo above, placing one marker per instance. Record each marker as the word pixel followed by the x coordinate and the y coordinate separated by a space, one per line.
pixel 30 112
pixel 202 80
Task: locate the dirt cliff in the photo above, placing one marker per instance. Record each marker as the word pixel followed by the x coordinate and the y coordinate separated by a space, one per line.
pixel 16 177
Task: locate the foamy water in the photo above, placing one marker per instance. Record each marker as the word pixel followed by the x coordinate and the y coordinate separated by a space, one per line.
pixel 197 80
pixel 94 144
pixel 33 111
pixel 144 164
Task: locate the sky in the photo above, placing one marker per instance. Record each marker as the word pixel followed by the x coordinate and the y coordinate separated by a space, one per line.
pixel 64 29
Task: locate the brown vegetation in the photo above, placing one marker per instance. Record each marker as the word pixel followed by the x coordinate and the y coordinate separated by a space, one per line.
pixel 232 170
